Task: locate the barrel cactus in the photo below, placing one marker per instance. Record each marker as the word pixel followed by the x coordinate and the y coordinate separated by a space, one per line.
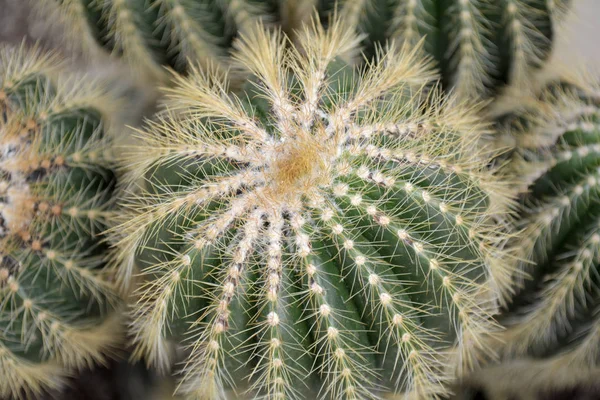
pixel 56 188
pixel 155 34
pixel 558 155
pixel 478 44
pixel 323 235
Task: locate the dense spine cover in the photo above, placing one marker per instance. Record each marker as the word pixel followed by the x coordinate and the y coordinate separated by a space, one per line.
pixel 55 194
pixel 322 235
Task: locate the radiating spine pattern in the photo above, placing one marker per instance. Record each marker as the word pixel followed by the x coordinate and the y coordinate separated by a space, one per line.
pixel 324 234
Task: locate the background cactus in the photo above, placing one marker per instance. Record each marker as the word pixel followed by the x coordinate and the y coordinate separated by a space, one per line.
pixel 530 379
pixel 478 44
pixel 158 33
pixel 55 189
pixel 558 155
pixel 323 227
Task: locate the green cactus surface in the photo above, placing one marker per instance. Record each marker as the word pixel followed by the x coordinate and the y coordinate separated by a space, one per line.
pixel 478 44
pixel 152 34
pixel 558 155
pixel 55 190
pixel 321 236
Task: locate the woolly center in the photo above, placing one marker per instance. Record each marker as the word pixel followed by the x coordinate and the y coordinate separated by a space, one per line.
pixel 299 164
pixel 16 166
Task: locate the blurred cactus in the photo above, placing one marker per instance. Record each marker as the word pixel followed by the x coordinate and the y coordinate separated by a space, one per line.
pixel 478 44
pixel 55 190
pixel 153 34
pixel 530 380
pixel 557 138
pixel 323 230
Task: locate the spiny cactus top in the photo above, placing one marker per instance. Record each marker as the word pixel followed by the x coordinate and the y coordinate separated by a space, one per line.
pixel 478 44
pixel 151 34
pixel 324 227
pixel 558 138
pixel 54 192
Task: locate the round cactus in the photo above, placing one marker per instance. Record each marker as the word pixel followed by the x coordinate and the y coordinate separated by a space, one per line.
pixel 55 190
pixel 322 235
pixel 558 154
pixel 153 34
pixel 478 44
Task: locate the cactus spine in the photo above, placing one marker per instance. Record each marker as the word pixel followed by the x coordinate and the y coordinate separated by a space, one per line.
pixel 558 142
pixel 323 227
pixel 55 191
pixel 478 44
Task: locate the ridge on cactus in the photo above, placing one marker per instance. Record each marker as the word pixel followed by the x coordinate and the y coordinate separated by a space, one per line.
pixel 55 190
pixel 478 44
pixel 558 140
pixel 153 34
pixel 323 235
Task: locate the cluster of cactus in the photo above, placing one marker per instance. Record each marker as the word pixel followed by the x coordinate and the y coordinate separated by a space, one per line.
pixel 327 229
pixel 558 154
pixel 321 232
pixel 55 190
pixel 478 44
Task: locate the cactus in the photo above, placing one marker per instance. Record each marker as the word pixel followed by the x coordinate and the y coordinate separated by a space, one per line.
pixel 152 34
pixel 55 192
pixel 478 44
pixel 558 153
pixel 530 379
pixel 324 231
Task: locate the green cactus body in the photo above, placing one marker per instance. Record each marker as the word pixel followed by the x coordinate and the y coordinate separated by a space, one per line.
pixel 478 44
pixel 321 228
pixel 153 34
pixel 558 142
pixel 54 193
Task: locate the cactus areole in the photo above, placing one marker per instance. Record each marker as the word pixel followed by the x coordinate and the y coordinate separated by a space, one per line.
pixel 54 193
pixel 320 236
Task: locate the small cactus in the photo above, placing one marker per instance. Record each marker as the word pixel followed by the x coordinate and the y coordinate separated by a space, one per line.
pixel 324 230
pixel 151 35
pixel 478 44
pixel 558 155
pixel 55 191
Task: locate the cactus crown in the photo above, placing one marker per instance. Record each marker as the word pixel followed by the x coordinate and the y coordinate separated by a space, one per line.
pixel 324 226
pixel 558 141
pixel 55 190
